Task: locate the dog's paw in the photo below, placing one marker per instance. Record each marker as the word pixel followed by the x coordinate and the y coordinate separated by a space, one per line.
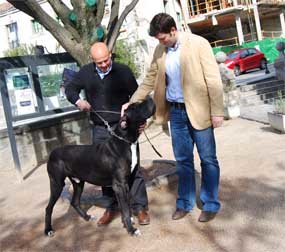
pixel 137 233
pixel 50 233
pixel 92 218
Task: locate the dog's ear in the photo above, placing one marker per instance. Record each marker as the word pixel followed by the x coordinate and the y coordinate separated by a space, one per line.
pixel 149 107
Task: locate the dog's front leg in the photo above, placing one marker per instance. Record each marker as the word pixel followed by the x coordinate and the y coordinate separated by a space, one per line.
pixel 123 197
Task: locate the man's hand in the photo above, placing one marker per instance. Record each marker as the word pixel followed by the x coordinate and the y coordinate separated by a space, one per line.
pixel 124 107
pixel 83 105
pixel 141 127
pixel 217 121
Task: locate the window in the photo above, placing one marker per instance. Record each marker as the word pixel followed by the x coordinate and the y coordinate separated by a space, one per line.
pixel 178 16
pixel 13 35
pixel 51 82
pixel 244 54
pixel 252 51
pixel 37 27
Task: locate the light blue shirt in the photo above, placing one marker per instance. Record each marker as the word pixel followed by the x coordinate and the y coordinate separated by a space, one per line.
pixel 102 74
pixel 173 77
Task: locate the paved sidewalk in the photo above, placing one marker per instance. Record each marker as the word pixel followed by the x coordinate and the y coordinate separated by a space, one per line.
pixel 252 193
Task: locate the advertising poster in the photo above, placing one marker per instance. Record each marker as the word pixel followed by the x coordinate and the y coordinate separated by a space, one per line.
pixel 23 95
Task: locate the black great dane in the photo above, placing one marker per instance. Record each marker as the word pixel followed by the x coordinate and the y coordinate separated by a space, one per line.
pixel 104 164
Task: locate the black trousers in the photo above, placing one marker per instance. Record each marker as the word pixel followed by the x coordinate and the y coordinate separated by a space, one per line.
pixel 137 187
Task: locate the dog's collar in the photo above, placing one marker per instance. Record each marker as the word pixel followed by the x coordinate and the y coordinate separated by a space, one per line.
pixel 109 128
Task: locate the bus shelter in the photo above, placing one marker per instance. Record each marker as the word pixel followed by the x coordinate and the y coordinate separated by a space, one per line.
pixel 32 89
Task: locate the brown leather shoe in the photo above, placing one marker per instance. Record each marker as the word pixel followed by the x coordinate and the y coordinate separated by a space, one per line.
pixel 206 216
pixel 143 217
pixel 107 217
pixel 179 214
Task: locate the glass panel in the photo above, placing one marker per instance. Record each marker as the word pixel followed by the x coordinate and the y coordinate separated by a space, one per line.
pixel 2 116
pixel 52 87
pixel 21 91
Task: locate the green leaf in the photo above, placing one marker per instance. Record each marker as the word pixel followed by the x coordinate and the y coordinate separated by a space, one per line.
pixel 279 103
pixel 124 55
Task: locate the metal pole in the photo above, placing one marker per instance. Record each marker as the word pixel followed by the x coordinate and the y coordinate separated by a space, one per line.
pixel 239 28
pixel 8 116
pixel 257 20
pixel 282 21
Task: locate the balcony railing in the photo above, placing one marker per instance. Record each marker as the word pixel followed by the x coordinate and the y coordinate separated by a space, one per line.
pixel 199 7
pixel 273 2
pixel 225 42
pixel 247 38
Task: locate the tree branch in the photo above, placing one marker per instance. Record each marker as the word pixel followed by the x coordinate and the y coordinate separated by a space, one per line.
pixel 76 37
pixel 113 18
pixel 118 25
pixel 100 11
pixel 83 24
pixel 21 5
pixel 63 12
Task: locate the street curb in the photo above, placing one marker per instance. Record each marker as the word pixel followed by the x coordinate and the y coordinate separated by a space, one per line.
pixel 162 180
pixel 254 120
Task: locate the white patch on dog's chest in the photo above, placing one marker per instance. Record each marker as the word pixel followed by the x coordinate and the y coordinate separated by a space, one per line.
pixel 134 156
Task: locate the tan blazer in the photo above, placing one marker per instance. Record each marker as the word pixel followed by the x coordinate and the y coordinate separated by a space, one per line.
pixel 200 77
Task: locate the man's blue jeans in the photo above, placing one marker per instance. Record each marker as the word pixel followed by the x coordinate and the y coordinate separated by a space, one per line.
pixel 184 136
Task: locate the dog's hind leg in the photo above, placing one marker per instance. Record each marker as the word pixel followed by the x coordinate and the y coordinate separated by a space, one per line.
pixel 122 195
pixel 75 202
pixel 55 191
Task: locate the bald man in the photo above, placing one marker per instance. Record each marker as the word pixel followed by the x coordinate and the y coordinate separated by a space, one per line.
pixel 108 85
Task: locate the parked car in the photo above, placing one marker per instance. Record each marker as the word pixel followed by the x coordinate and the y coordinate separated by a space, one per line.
pixel 245 59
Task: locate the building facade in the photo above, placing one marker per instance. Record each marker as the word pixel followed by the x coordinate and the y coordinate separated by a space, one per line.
pixel 233 22
pixel 19 29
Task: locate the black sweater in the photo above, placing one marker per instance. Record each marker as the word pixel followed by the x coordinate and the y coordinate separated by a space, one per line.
pixel 109 93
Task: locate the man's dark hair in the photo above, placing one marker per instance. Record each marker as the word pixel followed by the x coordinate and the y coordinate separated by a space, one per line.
pixel 161 23
pixel 67 76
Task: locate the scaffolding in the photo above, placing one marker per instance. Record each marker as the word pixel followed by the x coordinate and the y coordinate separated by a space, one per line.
pixel 197 7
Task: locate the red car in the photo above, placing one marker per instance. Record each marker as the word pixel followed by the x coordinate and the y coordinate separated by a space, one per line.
pixel 245 59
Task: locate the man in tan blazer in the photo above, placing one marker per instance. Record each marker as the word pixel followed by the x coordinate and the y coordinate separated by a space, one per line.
pixel 188 91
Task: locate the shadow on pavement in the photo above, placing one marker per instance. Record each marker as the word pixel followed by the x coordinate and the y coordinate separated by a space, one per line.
pixel 250 207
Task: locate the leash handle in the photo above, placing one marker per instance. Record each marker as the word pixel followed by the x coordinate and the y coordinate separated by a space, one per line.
pixel 155 150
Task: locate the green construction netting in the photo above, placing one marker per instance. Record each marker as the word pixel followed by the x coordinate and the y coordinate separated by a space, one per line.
pixel 267 46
